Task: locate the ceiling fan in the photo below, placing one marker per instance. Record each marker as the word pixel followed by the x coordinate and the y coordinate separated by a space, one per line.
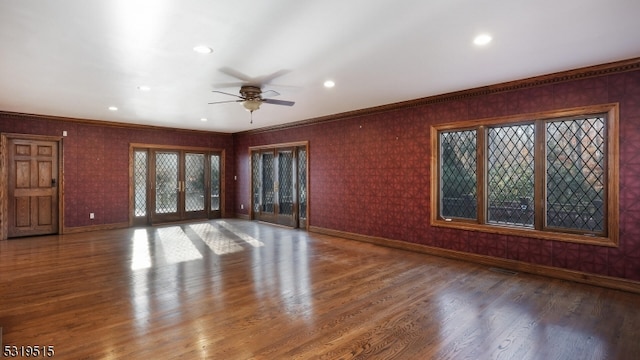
pixel 252 96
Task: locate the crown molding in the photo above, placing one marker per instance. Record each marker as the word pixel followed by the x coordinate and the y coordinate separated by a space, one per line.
pixel 553 78
pixel 107 123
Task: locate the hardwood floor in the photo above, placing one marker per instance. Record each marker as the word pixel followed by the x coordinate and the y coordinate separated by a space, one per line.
pixel 234 289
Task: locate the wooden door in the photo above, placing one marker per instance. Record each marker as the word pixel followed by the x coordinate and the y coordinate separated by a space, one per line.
pixel 32 187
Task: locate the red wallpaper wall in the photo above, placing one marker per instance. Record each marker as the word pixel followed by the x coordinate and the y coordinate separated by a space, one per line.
pixel 370 174
pixel 96 163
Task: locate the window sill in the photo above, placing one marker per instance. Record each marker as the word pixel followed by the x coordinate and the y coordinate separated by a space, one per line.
pixel 609 241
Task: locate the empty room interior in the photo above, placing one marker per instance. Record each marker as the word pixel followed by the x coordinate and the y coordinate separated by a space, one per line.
pixel 320 179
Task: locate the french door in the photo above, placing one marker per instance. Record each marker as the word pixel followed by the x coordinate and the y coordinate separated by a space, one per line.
pixel 175 184
pixel 279 185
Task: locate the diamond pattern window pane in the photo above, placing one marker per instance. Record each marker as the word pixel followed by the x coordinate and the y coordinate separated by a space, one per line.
pixel 194 188
pixel 268 183
pixel 140 182
pixel 255 179
pixel 302 181
pixel 215 182
pixel 510 170
pixel 575 174
pixel 458 176
pixel 285 188
pixel 166 183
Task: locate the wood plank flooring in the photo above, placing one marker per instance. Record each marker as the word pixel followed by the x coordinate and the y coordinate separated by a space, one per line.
pixel 234 289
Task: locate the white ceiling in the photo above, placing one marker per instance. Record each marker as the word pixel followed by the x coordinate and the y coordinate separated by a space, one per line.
pixel 75 58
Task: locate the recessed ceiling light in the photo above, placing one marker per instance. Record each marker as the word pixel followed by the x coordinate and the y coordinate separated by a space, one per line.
pixel 203 119
pixel 329 84
pixel 113 108
pixel 203 49
pixel 482 39
pixel 144 88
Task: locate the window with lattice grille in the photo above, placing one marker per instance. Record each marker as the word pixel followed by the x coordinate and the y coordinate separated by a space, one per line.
pixel 547 175
pixel 458 174
pixel 510 175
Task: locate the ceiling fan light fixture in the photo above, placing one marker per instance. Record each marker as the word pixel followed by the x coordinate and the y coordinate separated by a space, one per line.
pixel 251 105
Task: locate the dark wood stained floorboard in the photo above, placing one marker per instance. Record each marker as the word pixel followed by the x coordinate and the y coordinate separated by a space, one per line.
pixel 234 289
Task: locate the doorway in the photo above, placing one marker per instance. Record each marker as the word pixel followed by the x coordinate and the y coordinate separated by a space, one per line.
pixel 33 183
pixel 171 185
pixel 279 184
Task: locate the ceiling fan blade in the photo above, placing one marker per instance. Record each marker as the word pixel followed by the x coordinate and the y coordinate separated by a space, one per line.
pixel 236 74
pixel 278 102
pixel 226 93
pixel 266 79
pixel 222 102
pixel 269 93
pixel 225 85
pixel 286 87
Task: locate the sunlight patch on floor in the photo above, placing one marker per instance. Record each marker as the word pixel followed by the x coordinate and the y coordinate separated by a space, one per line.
pixel 241 234
pixel 140 258
pixel 215 240
pixel 176 246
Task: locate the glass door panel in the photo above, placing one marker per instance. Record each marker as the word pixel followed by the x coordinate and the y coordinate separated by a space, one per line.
pixel 256 184
pixel 268 183
pixel 194 185
pixel 215 182
pixel 302 186
pixel 167 186
pixel 264 188
pixel 140 196
pixel 285 188
pixel 140 183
